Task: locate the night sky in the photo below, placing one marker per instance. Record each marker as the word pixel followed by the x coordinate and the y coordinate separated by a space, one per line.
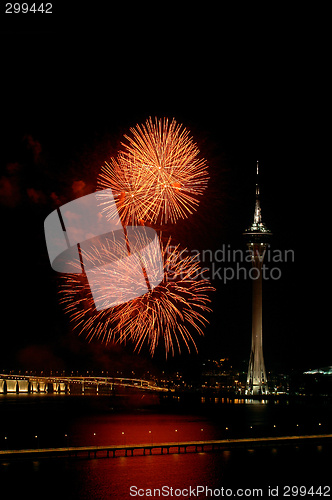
pixel 68 100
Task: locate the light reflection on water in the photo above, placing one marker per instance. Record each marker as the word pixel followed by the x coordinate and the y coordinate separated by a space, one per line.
pixel 88 421
pixel 60 420
pixel 142 428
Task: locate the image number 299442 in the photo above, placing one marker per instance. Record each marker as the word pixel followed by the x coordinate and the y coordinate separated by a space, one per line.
pixel 25 8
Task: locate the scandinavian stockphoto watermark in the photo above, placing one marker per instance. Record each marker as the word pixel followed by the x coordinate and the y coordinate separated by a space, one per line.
pixel 226 263
pixel 122 263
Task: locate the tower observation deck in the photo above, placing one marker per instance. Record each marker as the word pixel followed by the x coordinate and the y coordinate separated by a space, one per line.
pixel 257 237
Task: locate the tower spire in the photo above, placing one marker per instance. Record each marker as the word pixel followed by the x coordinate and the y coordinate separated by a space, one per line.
pixel 257 214
pixel 258 227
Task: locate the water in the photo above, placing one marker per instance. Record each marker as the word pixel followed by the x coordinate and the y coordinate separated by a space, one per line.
pixel 58 420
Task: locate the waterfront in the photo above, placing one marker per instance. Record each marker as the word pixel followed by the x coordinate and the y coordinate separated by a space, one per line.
pixel 64 420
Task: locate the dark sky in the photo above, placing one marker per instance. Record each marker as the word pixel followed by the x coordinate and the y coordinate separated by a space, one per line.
pixel 68 100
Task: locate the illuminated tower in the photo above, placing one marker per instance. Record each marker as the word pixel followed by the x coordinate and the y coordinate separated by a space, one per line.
pixel 257 237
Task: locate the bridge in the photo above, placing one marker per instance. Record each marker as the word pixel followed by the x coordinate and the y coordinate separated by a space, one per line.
pixel 10 383
pixel 162 448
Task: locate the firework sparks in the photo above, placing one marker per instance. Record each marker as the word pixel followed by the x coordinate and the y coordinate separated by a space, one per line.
pixel 157 177
pixel 167 314
pixel 128 296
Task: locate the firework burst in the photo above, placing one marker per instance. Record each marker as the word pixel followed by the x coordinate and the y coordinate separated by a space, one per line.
pixel 169 314
pixel 157 177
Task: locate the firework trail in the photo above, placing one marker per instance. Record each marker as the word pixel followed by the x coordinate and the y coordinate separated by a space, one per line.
pixel 158 176
pixel 168 314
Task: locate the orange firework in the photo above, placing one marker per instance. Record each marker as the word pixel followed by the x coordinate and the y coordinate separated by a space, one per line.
pixel 167 314
pixel 158 176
